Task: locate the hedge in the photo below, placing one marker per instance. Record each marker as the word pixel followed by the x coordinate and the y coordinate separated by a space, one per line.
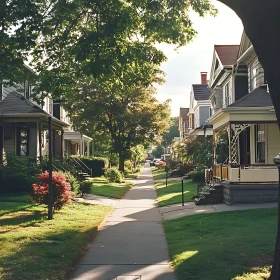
pixel 96 164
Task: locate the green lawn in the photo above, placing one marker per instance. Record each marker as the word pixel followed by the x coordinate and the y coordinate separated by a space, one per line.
pixel 172 194
pixel 35 248
pixel 113 190
pixel 235 245
pixel 158 173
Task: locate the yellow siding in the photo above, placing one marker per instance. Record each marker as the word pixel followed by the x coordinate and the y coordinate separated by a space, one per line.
pixel 273 142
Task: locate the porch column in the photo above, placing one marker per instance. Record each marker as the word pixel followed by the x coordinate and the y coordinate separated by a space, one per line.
pixel 39 126
pixel 235 130
pixel 62 143
pixel 81 146
pixel 88 149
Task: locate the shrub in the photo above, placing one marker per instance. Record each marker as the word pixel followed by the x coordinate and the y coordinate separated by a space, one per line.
pixel 114 175
pixel 85 187
pixel 96 164
pixel 74 181
pixel 61 190
pixel 198 176
pixel 18 174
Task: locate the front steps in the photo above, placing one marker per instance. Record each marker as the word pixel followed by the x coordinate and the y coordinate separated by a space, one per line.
pixel 210 194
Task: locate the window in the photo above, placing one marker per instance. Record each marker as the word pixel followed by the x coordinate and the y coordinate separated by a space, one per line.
pixel 260 143
pixel 226 95
pixel 253 76
pixel 210 112
pixel 22 141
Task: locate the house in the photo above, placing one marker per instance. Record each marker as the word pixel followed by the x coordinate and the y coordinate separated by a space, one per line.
pixel 24 123
pixel 244 114
pixel 183 122
pixel 200 108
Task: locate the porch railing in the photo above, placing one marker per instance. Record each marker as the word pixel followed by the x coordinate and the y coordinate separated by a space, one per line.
pixel 220 172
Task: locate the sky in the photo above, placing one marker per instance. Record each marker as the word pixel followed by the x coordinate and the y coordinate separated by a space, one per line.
pixel 183 66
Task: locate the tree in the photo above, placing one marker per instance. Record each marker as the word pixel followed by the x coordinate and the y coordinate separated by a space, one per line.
pixel 131 118
pixel 261 23
pixel 168 137
pixel 158 151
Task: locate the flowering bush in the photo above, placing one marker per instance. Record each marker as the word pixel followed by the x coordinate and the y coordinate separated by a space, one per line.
pixel 61 190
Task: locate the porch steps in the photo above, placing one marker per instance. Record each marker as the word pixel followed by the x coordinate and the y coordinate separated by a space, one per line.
pixel 210 194
pixel 83 175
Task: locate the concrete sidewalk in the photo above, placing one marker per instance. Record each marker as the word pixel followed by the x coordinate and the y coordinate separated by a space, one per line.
pixel 132 244
pixel 177 210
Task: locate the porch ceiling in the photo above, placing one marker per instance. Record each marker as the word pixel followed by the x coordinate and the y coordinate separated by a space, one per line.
pixel 76 136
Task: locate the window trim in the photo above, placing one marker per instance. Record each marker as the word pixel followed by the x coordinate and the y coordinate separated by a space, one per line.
pixel 19 142
pixel 253 77
pixel 227 95
pixel 256 130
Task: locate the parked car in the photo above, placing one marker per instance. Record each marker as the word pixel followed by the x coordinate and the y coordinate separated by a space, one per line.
pixel 153 162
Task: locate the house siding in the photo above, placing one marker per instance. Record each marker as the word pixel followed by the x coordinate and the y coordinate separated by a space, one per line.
pixel 273 142
pixel 9 138
pixel 229 82
pixel 259 74
pixel 33 143
pixel 204 114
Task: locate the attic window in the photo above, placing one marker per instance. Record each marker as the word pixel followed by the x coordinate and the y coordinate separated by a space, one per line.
pixel 217 65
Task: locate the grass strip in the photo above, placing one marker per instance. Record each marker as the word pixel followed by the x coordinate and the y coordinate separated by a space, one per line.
pixel 235 245
pixel 172 194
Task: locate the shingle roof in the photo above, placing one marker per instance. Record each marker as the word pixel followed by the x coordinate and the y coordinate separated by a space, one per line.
pixel 201 92
pixel 259 97
pixel 18 104
pixel 227 53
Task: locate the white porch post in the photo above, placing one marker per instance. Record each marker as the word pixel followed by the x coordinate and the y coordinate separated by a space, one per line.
pixel 81 146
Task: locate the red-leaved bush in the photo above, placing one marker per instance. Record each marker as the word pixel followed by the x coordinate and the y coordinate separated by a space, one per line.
pixel 61 190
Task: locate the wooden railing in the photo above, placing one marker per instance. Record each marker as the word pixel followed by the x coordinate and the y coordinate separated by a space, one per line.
pixel 220 172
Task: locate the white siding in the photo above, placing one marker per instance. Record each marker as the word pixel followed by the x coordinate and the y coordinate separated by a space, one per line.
pixel 196 118
pixel 228 82
pixel 255 66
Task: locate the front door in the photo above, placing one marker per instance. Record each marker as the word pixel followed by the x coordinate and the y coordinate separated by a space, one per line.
pixel 244 146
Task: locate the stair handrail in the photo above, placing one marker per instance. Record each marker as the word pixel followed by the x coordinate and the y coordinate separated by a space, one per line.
pixel 75 161
pixel 85 166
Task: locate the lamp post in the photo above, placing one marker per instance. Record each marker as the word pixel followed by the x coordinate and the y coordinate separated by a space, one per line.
pixel 275 272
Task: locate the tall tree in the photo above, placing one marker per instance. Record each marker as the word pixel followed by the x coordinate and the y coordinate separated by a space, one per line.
pixel 133 117
pixel 261 23
pixel 168 136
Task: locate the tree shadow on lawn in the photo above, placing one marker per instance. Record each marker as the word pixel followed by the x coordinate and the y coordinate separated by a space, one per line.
pixel 172 194
pixel 222 246
pixel 47 258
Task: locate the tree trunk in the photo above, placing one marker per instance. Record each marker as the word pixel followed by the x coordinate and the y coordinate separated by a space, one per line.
pixel 121 162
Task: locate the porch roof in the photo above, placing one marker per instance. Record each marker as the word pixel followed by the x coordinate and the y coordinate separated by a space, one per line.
pixel 76 136
pixel 259 97
pixel 15 105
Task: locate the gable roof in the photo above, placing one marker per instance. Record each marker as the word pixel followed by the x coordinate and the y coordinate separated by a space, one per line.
pixel 259 97
pixel 245 44
pixel 227 54
pixel 201 92
pixel 16 105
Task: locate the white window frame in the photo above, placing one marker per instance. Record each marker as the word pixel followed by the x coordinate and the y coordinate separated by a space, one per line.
pixel 227 95
pixel 253 76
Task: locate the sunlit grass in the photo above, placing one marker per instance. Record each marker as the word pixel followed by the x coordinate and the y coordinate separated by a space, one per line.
pixel 172 194
pixel 221 246
pixel 158 173
pixel 33 247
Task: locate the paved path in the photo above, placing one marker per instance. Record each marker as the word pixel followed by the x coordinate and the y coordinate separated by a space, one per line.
pixel 177 210
pixel 132 242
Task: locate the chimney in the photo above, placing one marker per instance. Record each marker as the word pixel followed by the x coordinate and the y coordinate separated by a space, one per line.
pixel 203 78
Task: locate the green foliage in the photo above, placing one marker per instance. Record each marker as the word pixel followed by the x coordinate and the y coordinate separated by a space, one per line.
pixel 96 164
pixel 222 151
pixel 158 151
pixel 198 176
pixel 85 187
pixel 138 153
pixel 18 175
pixel 168 136
pixel 114 175
pixel 74 181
